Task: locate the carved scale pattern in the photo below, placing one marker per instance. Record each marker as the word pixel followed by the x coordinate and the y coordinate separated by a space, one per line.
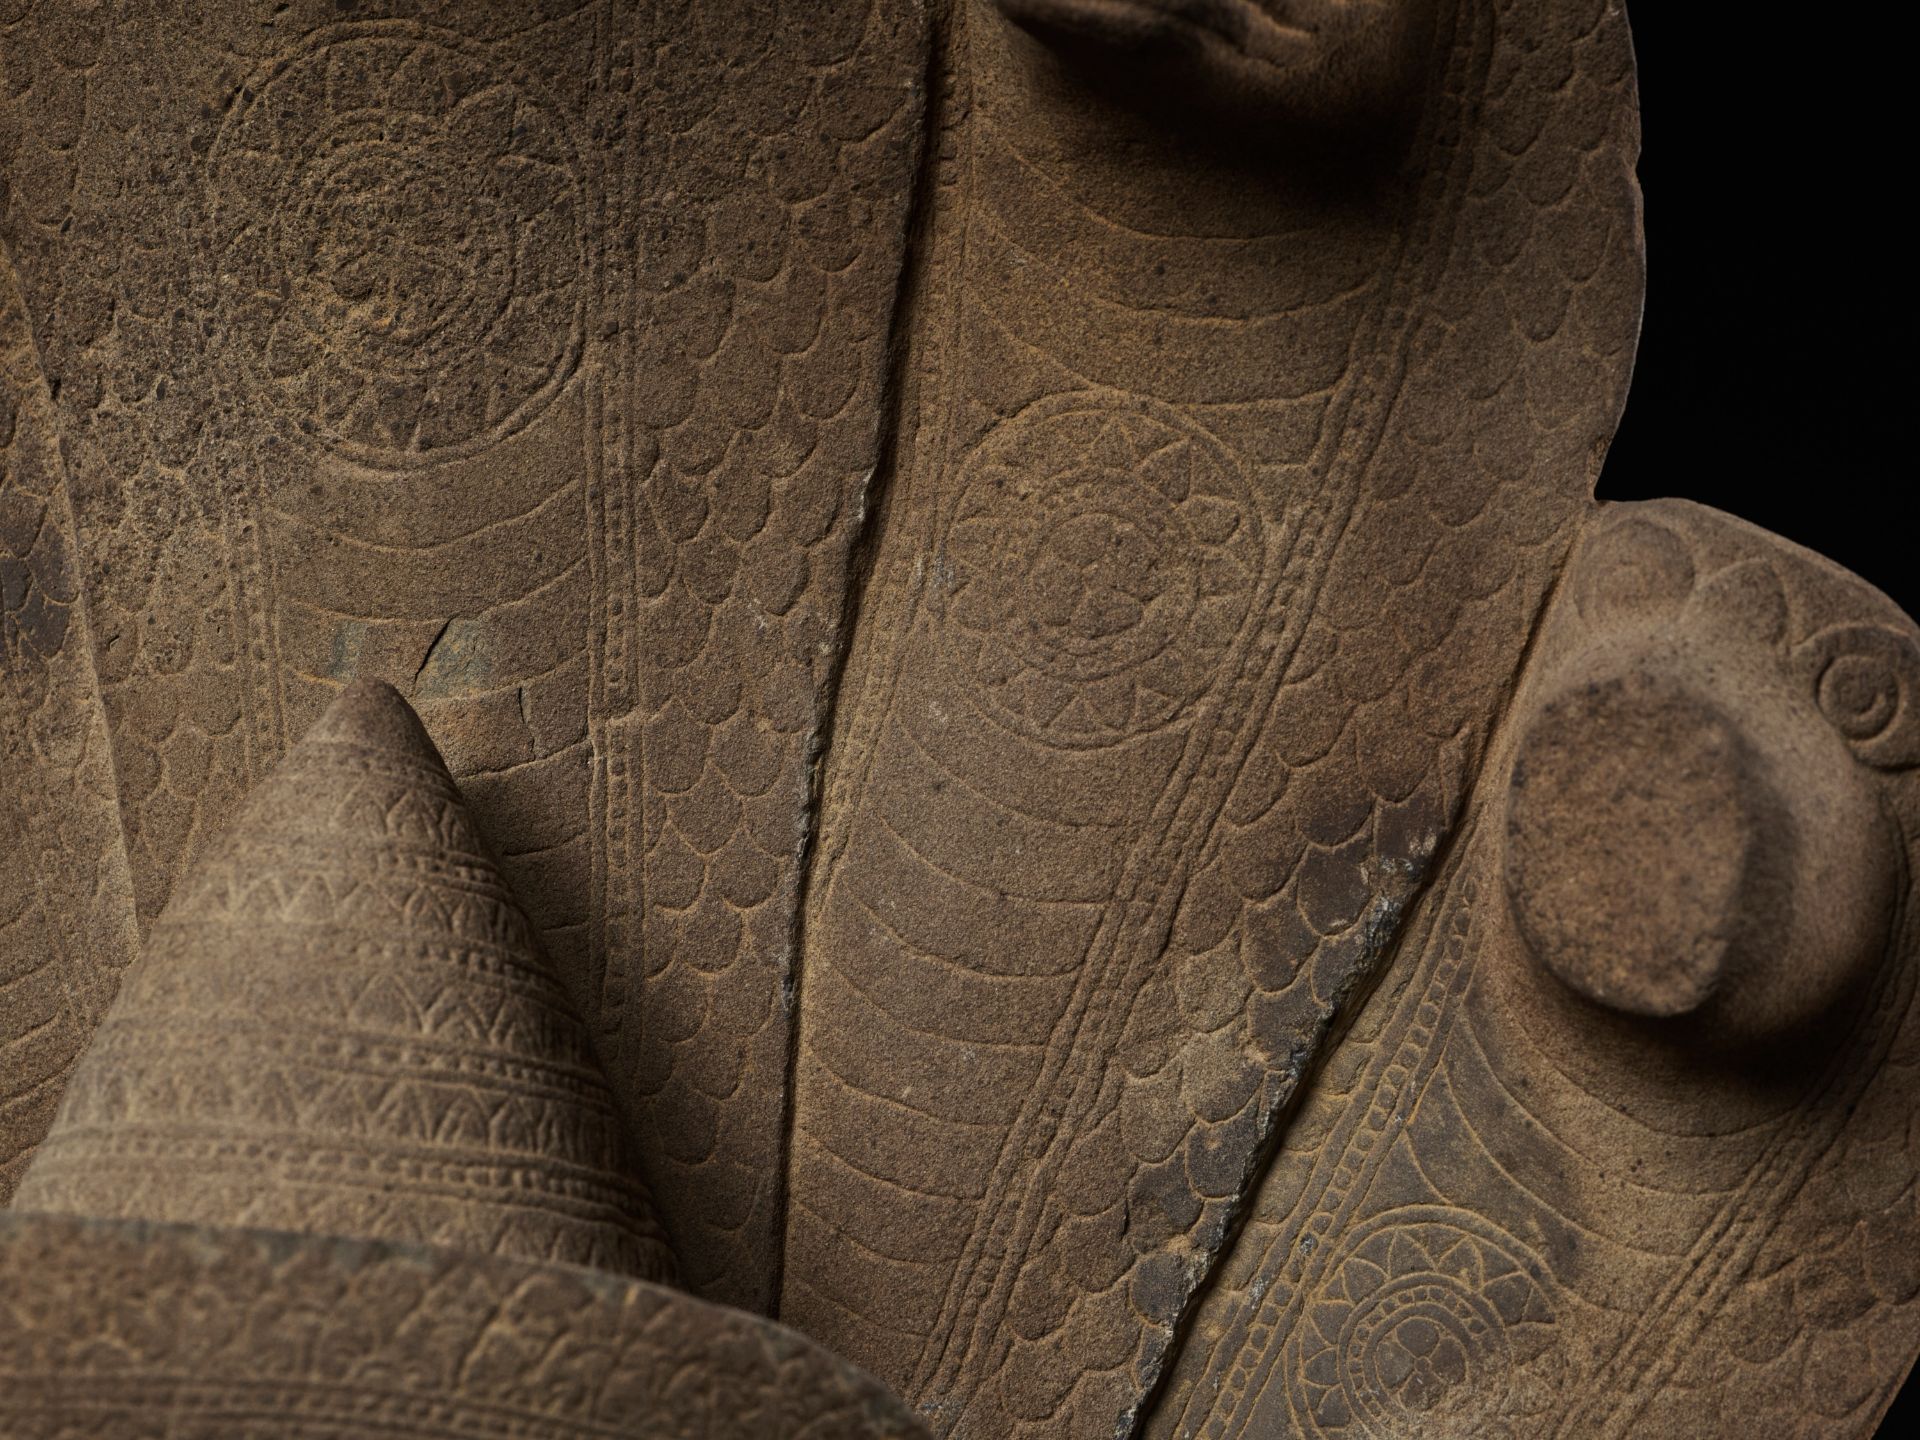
pixel 1017 1160
pixel 583 484
pixel 772 226
pixel 244 1334
pixel 66 906
pixel 1661 1276
pixel 342 1023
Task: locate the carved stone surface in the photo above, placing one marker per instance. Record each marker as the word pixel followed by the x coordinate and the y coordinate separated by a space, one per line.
pixel 118 1331
pixel 1018 584
pixel 66 902
pixel 529 357
pixel 1229 490
pixel 342 1023
pixel 1676 1194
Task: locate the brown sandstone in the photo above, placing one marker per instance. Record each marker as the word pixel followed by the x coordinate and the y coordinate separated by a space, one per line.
pixel 1242 449
pixel 1019 587
pixel 219 1332
pixel 342 1023
pixel 530 358
pixel 1658 1188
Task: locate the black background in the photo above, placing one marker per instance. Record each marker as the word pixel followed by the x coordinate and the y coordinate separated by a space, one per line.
pixel 1773 369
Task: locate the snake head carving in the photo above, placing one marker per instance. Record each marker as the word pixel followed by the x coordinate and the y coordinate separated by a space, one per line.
pixel 1283 68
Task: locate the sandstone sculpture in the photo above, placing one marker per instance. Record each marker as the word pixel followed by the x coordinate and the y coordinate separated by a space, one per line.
pixel 342 1023
pixel 250 1333
pixel 1232 491
pixel 342 1031
pixel 530 359
pixel 1550 1187
pixel 1018 587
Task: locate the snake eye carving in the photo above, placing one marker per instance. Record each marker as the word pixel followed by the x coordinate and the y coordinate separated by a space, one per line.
pixel 1866 680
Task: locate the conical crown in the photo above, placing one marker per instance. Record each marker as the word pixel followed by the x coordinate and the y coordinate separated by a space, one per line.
pixel 342 1023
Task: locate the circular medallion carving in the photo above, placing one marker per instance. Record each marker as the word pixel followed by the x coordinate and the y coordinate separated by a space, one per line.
pixel 1098 565
pixel 1426 1319
pixel 399 250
